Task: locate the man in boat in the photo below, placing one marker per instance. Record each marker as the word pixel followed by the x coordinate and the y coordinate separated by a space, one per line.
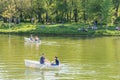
pixel 42 59
pixel 56 61
pixel 31 37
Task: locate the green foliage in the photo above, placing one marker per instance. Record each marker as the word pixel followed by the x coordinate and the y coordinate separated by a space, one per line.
pixel 59 12
pixel 49 11
pixel 9 12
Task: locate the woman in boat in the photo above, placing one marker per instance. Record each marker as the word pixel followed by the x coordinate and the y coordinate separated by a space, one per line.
pixel 36 38
pixel 56 61
pixel 42 59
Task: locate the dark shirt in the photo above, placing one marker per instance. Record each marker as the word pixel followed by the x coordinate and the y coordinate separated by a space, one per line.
pixel 42 60
pixel 57 61
pixel 31 38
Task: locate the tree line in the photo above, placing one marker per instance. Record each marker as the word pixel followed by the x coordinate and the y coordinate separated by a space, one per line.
pixel 60 11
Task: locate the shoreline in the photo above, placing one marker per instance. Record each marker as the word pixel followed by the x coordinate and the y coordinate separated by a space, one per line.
pixel 60 30
pixel 60 35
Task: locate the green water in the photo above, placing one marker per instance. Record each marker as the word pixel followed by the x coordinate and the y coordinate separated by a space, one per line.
pixel 81 58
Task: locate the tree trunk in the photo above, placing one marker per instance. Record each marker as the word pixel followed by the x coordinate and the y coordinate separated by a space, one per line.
pixel 46 17
pixel 70 16
pixel 39 18
pixel 116 8
pixel 84 12
pixel 76 15
pixel 57 20
pixel 67 19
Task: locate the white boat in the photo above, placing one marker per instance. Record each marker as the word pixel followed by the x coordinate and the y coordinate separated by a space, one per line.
pixel 36 64
pixel 31 41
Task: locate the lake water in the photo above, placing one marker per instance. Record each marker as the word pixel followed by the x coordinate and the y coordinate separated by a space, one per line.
pixel 82 58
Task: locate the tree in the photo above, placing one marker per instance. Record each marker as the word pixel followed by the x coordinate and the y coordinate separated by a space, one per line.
pixel 9 12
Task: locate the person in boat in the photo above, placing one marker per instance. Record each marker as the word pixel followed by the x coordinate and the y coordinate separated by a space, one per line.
pixel 31 37
pixel 56 61
pixel 42 59
pixel 36 38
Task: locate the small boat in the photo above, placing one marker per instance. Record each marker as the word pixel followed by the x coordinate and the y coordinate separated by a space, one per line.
pixel 36 64
pixel 31 41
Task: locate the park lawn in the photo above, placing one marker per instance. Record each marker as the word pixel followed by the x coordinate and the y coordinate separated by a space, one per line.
pixel 58 29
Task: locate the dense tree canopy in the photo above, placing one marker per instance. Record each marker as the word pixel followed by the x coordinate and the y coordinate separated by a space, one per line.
pixel 61 11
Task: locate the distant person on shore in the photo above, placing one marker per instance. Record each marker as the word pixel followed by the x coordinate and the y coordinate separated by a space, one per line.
pixel 42 59
pixel 95 23
pixel 56 61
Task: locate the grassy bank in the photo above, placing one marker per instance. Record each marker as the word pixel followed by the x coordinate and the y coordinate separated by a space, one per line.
pixel 58 29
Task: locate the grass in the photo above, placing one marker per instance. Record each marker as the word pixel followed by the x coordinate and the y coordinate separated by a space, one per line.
pixel 57 29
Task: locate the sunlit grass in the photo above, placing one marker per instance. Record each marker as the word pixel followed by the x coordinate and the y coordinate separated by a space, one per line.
pixel 56 29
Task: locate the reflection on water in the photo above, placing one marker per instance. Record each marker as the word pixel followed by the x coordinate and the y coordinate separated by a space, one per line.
pixel 40 74
pixel 51 74
pixel 37 45
pixel 77 72
pixel 31 45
